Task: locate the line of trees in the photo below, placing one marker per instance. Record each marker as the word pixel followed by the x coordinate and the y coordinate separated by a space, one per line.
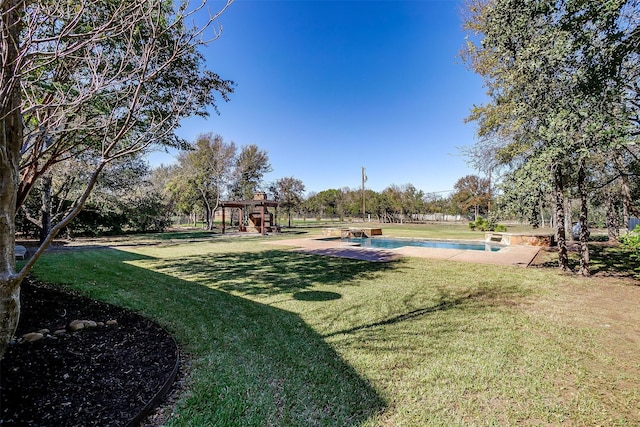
pixel 213 170
pixel 129 197
pixel 563 116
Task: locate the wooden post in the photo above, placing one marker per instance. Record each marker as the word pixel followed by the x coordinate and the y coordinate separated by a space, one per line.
pixel 223 211
pixel 364 179
pixel 262 219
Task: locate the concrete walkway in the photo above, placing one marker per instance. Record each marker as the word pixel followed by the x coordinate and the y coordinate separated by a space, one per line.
pixel 511 255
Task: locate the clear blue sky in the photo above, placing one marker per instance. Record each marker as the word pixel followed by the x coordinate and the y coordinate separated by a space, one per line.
pixel 328 86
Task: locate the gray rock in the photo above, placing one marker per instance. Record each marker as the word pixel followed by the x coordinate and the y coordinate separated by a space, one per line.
pixel 32 336
pixel 76 325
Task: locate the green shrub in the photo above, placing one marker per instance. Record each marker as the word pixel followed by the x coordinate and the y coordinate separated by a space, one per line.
pixel 631 242
pixel 482 224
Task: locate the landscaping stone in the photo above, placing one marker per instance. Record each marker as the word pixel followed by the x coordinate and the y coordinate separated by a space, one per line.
pixel 32 336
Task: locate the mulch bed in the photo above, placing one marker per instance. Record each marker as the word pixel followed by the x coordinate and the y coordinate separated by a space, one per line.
pixel 97 376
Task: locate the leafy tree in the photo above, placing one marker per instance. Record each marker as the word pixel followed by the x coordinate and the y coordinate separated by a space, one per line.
pixel 182 192
pixel 472 194
pixel 122 186
pixel 289 193
pixel 401 201
pixel 101 79
pixel 310 205
pixel 205 170
pixel 413 199
pixel 327 202
pixel 555 73
pixel 631 242
pixel 436 203
pixel 158 182
pixel 376 204
pixel 146 211
pixel 525 193
pixel 251 165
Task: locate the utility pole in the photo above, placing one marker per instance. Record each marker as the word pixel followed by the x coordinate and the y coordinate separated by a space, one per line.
pixel 364 179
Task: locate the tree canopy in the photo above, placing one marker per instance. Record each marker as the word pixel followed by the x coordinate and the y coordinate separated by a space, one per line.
pixel 203 174
pixel 557 75
pixel 289 193
pixel 98 79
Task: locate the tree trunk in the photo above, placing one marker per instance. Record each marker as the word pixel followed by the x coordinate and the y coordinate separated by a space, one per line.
pixel 584 225
pixel 45 209
pixel 11 134
pixel 568 229
pixel 613 220
pixel 208 217
pixel 626 192
pixel 626 202
pixel 563 258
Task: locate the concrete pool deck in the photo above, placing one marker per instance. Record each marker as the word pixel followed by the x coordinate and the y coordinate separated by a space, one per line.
pixel 520 256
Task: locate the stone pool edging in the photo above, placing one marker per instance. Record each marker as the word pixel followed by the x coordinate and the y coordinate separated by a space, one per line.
pixel 520 256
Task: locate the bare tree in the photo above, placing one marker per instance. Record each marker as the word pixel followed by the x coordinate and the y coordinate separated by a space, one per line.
pixel 101 79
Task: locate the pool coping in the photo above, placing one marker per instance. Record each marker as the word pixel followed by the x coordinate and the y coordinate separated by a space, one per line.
pixel 520 256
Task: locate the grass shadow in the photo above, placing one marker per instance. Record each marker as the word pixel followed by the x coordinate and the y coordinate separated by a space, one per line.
pixel 609 259
pixel 272 272
pixel 252 364
pixel 316 296
pixel 448 301
pixel 605 259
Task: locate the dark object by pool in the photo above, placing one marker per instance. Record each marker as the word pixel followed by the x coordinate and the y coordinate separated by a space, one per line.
pixel 386 243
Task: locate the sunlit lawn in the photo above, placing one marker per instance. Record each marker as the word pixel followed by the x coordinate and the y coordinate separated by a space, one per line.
pixel 277 337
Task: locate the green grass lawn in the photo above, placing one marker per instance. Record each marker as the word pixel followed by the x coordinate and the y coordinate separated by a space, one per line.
pixel 281 338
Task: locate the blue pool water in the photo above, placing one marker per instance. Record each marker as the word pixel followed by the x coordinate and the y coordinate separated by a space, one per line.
pixel 387 243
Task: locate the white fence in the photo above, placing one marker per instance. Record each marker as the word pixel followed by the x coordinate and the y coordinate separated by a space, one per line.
pixel 437 217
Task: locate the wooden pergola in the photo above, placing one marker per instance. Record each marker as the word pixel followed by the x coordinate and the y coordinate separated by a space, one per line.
pixel 257 204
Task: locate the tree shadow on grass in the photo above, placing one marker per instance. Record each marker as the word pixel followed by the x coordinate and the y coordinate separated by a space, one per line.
pixel 273 272
pixel 447 301
pixel 613 260
pixel 605 260
pixel 316 296
pixel 183 235
pixel 252 364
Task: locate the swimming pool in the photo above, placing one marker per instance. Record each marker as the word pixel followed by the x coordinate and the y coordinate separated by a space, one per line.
pixel 388 243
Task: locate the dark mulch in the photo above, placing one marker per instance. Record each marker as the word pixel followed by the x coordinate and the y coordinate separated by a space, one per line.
pixel 102 376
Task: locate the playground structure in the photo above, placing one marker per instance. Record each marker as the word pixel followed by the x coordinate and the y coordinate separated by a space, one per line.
pixel 258 218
